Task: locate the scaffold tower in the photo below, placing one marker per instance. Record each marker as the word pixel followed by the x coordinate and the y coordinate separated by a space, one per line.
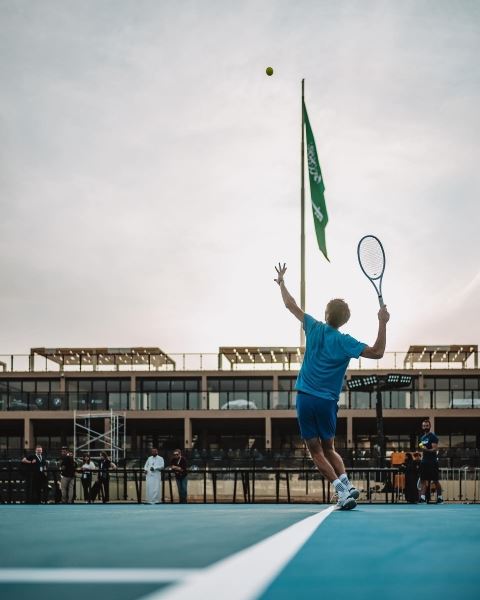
pixel 96 432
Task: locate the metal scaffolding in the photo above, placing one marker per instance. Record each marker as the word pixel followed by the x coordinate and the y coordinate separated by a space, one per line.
pixel 96 432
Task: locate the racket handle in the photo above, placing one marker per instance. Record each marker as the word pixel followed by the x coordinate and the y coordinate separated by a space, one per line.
pixel 381 302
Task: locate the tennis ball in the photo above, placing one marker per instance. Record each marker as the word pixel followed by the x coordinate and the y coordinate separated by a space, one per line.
pixel 269 71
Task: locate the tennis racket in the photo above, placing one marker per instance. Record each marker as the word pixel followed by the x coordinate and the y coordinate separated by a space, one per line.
pixel 371 257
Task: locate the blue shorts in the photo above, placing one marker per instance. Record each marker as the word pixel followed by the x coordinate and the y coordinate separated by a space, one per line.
pixel 317 417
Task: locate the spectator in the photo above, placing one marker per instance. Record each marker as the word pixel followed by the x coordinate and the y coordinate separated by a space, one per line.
pixel 104 467
pixel 86 469
pixel 67 470
pixel 178 464
pixel 429 471
pixel 153 470
pixel 37 482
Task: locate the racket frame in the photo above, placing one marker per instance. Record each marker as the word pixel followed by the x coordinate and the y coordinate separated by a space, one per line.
pixel 378 289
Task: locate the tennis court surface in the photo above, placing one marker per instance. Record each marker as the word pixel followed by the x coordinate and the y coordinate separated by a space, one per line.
pixel 265 552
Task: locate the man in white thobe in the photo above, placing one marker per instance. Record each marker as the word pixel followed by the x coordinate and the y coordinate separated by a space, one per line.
pixel 153 469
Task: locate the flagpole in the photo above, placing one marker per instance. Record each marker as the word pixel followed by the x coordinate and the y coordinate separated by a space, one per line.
pixel 302 226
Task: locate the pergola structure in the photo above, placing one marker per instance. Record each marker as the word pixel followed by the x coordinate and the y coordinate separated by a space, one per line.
pixel 458 355
pixel 276 357
pixel 151 358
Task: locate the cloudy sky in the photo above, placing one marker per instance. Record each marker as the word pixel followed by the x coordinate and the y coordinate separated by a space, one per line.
pixel 150 170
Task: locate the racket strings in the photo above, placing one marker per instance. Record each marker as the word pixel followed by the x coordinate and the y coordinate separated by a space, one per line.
pixel 372 258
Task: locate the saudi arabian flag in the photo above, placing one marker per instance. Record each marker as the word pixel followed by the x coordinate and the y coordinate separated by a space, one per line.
pixel 317 189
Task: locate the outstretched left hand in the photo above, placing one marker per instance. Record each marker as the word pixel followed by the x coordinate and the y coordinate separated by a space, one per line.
pixel 280 272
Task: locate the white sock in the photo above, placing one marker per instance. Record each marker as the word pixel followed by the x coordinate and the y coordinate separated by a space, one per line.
pixel 340 487
pixel 346 482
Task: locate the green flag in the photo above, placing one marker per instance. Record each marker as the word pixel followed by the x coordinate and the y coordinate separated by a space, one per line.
pixel 317 189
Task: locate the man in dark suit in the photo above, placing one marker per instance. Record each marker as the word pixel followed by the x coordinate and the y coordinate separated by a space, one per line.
pixel 37 489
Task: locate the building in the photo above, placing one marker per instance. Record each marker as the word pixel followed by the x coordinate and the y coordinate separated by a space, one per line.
pixel 236 400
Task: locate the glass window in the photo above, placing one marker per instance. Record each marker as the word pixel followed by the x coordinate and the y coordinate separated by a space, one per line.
pixel 55 385
pixel 125 385
pixel 15 386
pixel 360 399
pixel 148 385
pixel 286 384
pixel 99 385
pixel 72 386
pixel 84 385
pixel 178 385
pixel 113 385
pixel 157 400
pixel 226 385
pixel 441 400
pixel 241 385
pixel 429 383
pixel 193 400
pixel 462 399
pixel 43 386
pixel 441 383
pixel 192 385
pixel 29 386
pixel 213 385
pixel 471 383
pixel 255 385
pixel 398 399
pixel 456 384
pixel 178 401
pixel 268 385
pixel 118 401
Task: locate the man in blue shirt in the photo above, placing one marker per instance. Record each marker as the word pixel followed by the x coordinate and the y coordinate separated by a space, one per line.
pixel 320 381
pixel 429 472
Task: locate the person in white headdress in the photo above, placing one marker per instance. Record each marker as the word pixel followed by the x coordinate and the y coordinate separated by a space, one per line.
pixel 153 470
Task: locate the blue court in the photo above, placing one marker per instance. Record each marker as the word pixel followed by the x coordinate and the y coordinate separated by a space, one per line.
pixel 269 552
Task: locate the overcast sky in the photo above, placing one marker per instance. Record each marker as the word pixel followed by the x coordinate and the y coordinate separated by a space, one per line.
pixel 150 170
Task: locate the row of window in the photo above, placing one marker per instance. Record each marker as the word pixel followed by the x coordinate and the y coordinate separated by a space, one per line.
pixel 214 384
pixel 237 400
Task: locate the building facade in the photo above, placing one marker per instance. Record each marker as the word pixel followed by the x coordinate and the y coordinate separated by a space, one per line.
pixel 230 402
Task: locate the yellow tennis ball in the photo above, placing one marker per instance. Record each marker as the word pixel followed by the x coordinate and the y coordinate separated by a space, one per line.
pixel 269 71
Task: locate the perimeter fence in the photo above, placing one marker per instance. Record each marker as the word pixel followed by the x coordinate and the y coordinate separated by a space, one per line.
pixel 245 485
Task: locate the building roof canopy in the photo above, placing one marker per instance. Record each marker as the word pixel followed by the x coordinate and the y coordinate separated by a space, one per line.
pixel 105 356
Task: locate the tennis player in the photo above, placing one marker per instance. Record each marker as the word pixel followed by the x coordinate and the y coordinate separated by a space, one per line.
pixel 320 381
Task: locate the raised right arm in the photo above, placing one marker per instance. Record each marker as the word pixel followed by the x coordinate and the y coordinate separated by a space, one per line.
pixel 378 349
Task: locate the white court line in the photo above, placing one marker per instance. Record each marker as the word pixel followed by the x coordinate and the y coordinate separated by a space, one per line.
pixel 95 575
pixel 246 574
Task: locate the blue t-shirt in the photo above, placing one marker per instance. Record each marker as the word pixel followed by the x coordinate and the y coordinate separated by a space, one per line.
pixel 428 439
pixel 327 355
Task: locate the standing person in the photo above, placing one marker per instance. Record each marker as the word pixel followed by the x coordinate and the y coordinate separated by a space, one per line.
pixel 86 471
pixel 429 471
pixel 320 381
pixel 153 469
pixel 67 469
pixel 38 484
pixel 104 467
pixel 178 464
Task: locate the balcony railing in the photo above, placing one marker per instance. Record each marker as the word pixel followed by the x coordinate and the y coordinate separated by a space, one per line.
pixel 25 363
pixel 223 401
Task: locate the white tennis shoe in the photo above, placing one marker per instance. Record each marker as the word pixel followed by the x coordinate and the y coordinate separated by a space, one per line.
pixel 346 502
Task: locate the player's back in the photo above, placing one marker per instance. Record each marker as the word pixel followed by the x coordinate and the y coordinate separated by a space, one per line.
pixel 327 354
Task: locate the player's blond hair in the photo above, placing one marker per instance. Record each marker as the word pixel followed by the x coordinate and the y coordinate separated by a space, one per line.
pixel 337 312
